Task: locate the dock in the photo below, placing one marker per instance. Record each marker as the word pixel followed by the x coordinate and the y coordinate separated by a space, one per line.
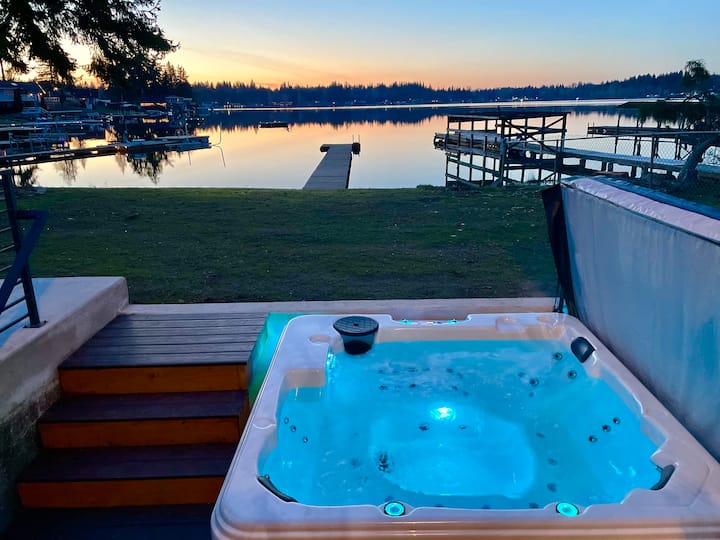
pixel 333 171
pixel 178 143
pixel 480 150
pixel 506 146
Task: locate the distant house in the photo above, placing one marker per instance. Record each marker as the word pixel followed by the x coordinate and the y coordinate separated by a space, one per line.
pixel 177 100
pixel 10 100
pixel 18 96
pixel 32 94
pixel 88 97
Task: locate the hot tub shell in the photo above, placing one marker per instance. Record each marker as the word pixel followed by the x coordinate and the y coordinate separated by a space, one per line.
pixel 688 505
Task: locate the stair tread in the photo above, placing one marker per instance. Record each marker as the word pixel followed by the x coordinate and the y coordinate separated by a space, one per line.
pixel 177 522
pixel 171 405
pixel 239 357
pixel 144 340
pixel 191 324
pixel 130 463
pixel 147 339
pixel 192 316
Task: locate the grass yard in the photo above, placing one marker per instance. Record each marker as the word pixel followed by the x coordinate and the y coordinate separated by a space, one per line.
pixel 230 245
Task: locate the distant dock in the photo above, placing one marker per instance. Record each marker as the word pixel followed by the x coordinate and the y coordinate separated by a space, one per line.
pixel 333 171
pixel 177 143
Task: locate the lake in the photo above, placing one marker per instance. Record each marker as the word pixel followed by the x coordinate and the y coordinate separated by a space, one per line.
pixel 397 148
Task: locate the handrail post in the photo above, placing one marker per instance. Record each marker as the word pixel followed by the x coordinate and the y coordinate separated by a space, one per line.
pixel 24 272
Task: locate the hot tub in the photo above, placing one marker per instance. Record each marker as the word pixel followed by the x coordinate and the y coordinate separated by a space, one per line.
pixel 496 425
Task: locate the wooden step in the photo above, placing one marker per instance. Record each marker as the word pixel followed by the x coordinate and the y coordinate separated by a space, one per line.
pixel 126 476
pixel 165 353
pixel 154 379
pixel 144 419
pixel 185 522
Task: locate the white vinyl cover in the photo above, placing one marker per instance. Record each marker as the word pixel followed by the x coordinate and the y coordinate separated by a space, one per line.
pixel 646 277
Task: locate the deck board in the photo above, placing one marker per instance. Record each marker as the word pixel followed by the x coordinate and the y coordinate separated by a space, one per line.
pixel 130 463
pixel 192 316
pixel 171 340
pixel 171 332
pixel 105 341
pixel 181 323
pixel 188 347
pixel 158 359
pixel 87 408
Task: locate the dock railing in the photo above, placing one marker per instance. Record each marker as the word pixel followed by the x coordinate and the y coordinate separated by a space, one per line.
pixel 649 159
pixel 16 246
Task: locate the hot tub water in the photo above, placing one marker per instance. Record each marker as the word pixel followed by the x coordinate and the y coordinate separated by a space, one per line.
pixel 463 424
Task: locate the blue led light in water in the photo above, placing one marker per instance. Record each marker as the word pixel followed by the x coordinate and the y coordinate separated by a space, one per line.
pixel 567 509
pixel 443 413
pixel 394 509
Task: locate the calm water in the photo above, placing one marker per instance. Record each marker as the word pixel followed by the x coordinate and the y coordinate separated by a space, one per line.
pixel 463 424
pixel 397 150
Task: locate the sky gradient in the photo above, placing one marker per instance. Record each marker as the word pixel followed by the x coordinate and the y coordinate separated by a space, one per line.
pixel 475 43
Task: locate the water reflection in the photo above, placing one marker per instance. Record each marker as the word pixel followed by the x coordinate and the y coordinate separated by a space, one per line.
pixel 240 120
pixel 150 165
pixel 397 149
pixel 25 176
pixel 68 170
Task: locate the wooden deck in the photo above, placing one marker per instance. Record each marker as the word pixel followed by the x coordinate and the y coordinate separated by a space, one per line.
pixel 152 409
pixel 333 171
pixel 544 157
pixel 177 143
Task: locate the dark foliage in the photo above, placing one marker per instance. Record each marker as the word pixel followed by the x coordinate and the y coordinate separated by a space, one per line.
pixel 250 94
pixel 123 35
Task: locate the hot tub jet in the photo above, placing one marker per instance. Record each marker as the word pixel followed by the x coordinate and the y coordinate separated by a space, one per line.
pixel 394 509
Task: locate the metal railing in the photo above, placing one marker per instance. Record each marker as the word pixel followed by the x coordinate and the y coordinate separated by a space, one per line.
pixel 653 159
pixel 16 246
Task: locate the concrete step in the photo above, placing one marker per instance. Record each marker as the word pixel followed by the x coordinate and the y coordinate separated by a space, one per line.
pixel 79 420
pixel 125 476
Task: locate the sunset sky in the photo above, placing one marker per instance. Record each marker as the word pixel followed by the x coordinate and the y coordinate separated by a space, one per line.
pixel 476 43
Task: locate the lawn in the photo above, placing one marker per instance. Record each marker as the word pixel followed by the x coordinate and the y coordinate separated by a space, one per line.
pixel 231 245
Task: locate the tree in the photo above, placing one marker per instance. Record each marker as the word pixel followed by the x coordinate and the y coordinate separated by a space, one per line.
pixel 704 118
pixel 123 36
pixel 173 81
pixel 695 77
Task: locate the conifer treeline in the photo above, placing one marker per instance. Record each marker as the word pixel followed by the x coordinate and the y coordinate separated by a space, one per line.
pixel 251 94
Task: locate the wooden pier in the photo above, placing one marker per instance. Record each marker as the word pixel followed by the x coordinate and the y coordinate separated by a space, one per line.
pixel 507 147
pixel 179 143
pixel 333 171
pixel 479 147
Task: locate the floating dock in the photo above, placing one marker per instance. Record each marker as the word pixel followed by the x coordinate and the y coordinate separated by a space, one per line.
pixel 333 171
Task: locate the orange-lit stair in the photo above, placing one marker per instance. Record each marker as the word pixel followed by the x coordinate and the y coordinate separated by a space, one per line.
pixel 151 412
